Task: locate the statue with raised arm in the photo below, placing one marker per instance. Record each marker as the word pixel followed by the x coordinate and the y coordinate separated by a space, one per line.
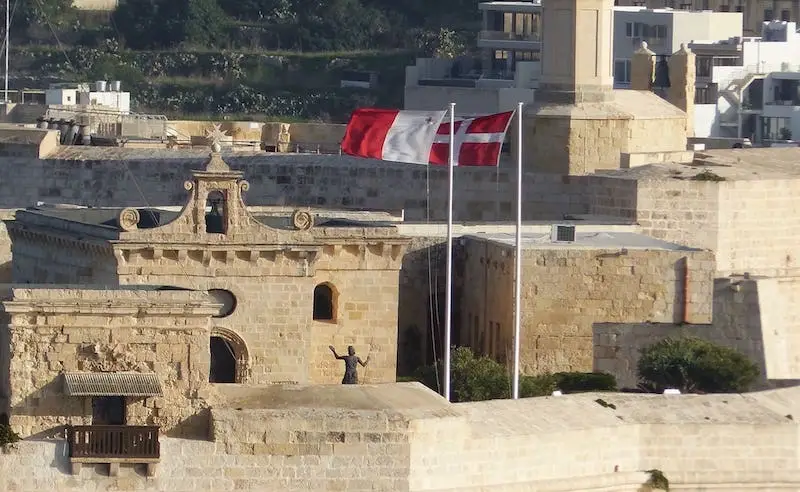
pixel 351 361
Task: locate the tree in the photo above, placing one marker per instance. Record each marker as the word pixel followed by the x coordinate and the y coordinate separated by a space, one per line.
pixel 40 15
pixel 693 365
pixel 271 11
pixel 146 24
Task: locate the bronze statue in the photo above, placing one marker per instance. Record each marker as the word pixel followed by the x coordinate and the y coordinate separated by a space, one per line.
pixel 351 361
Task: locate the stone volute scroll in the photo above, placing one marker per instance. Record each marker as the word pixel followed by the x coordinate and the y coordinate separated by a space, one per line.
pixel 302 220
pixel 128 219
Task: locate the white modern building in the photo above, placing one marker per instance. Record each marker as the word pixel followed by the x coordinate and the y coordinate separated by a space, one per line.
pixel 102 96
pixel 750 87
pixel 506 72
pixel 508 68
pixel 664 30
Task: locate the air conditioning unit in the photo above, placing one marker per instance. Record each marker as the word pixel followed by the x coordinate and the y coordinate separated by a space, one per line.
pixel 562 233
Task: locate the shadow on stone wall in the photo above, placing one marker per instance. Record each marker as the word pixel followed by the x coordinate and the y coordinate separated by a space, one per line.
pixel 5 273
pixel 736 324
pixel 680 305
pixel 422 302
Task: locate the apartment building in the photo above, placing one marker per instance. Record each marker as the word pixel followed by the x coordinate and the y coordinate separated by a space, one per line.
pixel 505 72
pixel 750 87
pixel 664 30
pixel 507 68
pixel 754 12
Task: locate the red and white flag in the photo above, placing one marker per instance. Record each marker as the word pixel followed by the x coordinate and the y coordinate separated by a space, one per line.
pixel 392 135
pixel 476 141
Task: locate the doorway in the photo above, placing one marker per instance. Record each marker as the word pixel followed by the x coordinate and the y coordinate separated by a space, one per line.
pixel 108 410
pixel 223 361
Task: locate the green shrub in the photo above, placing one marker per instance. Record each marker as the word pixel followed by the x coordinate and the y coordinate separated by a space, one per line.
pixel 581 382
pixel 693 365
pixel 541 385
pixel 476 378
pixel 657 480
pixel 7 436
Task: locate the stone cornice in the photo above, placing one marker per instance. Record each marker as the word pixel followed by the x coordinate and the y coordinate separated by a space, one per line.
pixel 55 238
pixel 119 308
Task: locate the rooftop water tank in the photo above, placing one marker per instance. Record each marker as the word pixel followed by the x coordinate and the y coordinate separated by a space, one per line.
pixel 100 86
pixel 116 86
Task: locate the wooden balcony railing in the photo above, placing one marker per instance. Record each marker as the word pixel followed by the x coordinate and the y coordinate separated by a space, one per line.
pixel 113 441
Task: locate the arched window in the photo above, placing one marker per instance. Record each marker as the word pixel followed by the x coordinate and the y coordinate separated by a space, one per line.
pixel 216 217
pixel 229 357
pixel 324 303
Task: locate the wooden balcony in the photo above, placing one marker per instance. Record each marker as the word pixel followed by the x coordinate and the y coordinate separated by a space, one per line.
pixel 113 444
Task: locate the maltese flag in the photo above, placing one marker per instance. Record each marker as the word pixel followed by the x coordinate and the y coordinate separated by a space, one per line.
pixel 392 135
pixel 476 142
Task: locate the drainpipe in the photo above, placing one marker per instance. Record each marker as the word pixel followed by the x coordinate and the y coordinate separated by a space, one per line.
pixel 686 289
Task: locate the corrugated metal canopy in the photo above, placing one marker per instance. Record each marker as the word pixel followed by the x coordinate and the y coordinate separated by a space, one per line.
pixel 112 384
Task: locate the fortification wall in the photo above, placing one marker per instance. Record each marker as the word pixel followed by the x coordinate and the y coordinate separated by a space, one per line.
pixel 574 442
pixel 88 178
pixel 758 317
pixel 567 290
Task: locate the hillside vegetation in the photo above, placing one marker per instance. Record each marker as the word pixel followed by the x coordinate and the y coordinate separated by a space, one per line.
pixel 282 58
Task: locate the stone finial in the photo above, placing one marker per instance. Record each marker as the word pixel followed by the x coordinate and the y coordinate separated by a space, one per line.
pixel 215 137
pixel 302 220
pixel 682 51
pixel 644 50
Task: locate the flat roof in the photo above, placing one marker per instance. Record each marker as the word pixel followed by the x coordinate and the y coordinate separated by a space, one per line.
pixel 751 164
pixel 584 240
pixel 108 217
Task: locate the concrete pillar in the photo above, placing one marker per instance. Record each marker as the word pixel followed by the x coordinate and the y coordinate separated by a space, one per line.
pixel 643 68
pixel 682 84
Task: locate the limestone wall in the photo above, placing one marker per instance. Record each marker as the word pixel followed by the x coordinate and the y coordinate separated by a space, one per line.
pixel 565 291
pixel 569 443
pixel 681 211
pixel 345 450
pixel 273 317
pixel 40 259
pixel 57 330
pixel 291 179
pixel 596 144
pixel 757 317
pixel 759 227
pixel 751 225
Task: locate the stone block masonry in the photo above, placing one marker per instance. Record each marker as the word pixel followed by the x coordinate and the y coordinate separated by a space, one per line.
pixel 567 290
pixel 53 331
pixel 112 178
pixel 758 317
pixel 569 443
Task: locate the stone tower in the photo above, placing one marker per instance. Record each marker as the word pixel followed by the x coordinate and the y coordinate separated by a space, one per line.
pixel 583 30
pixel 682 84
pixel 578 123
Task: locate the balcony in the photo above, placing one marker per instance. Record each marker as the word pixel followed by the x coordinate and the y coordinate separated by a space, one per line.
pixel 509 40
pixel 113 444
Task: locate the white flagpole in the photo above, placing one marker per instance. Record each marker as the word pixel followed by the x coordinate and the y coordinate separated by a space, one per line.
pixel 8 24
pixel 448 318
pixel 518 256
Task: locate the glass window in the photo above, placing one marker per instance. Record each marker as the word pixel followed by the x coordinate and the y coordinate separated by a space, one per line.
pixel 622 70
